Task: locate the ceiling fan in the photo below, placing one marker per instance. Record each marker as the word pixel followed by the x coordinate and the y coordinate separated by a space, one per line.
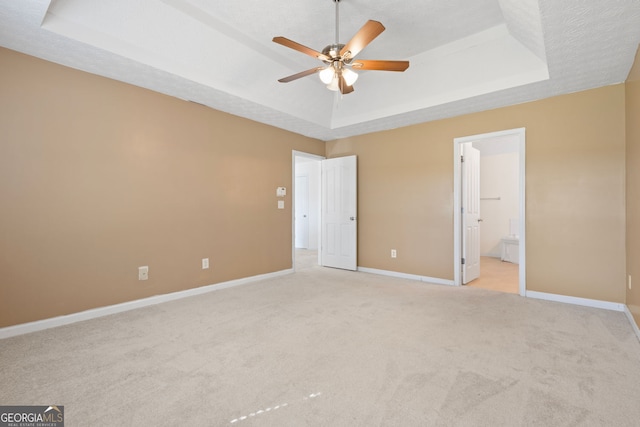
pixel 339 58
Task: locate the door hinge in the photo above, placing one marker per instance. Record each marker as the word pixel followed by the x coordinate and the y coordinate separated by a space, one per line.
pixel 462 261
pixel 462 159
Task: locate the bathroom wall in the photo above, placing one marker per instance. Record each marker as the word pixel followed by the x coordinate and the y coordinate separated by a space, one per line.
pixel 499 177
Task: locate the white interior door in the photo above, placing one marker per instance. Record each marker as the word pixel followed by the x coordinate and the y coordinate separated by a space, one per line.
pixel 470 213
pixel 339 213
pixel 302 212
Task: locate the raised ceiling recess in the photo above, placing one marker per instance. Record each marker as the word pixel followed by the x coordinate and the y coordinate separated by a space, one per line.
pixel 465 56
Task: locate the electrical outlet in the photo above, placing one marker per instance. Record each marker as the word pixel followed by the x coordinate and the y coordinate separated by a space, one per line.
pixel 629 282
pixel 394 253
pixel 205 263
pixel 143 273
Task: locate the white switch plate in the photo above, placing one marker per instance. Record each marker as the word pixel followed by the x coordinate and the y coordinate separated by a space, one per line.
pixel 143 272
pixel 280 204
pixel 394 253
pixel 205 263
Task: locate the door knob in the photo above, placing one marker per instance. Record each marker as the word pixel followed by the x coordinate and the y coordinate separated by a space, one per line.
pixel 352 218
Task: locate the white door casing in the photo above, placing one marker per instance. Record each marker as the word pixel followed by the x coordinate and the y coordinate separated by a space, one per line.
pixel 339 213
pixel 470 203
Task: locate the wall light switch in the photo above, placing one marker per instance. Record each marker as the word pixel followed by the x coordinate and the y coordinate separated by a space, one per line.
pixel 205 263
pixel 394 253
pixel 280 204
pixel 143 273
pixel 281 191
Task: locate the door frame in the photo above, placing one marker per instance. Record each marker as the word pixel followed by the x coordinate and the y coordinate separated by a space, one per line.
pixel 294 154
pixel 457 193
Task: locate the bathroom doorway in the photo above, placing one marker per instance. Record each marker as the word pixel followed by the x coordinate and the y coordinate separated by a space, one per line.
pixel 306 210
pixel 499 250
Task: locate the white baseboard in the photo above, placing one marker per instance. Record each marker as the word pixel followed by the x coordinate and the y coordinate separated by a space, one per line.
pixel 40 325
pixel 607 305
pixel 634 325
pixel 407 276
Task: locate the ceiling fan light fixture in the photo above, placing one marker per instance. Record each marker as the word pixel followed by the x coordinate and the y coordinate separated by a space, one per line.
pixel 337 57
pixel 327 75
pixel 350 76
pixel 334 85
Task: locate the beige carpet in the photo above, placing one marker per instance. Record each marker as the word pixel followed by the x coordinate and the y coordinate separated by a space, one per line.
pixel 324 347
pixel 306 259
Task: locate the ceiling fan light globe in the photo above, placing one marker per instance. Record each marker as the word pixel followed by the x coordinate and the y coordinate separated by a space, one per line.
pixel 327 75
pixel 350 76
pixel 334 86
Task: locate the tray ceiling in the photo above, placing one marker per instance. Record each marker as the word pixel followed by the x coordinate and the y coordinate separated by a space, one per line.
pixel 465 56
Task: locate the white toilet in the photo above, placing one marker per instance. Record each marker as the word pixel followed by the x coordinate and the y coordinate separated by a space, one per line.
pixel 511 243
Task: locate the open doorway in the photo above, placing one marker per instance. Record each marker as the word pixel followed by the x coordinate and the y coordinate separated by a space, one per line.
pixel 306 210
pixel 324 210
pixel 499 217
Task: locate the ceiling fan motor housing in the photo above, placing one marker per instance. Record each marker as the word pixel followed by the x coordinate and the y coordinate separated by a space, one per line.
pixel 333 52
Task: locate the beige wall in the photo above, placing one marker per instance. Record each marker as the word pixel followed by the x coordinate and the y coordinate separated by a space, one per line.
pixel 633 187
pixel 575 192
pixel 99 177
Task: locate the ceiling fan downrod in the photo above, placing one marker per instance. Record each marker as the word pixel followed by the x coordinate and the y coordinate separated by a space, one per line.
pixel 333 50
pixel 337 2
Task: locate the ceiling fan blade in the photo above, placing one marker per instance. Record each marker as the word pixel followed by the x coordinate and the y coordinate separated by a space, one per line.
pixel 363 37
pixel 372 64
pixel 342 84
pixel 300 75
pixel 300 48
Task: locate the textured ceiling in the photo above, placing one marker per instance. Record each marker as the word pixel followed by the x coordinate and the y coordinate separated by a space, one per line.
pixel 465 56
